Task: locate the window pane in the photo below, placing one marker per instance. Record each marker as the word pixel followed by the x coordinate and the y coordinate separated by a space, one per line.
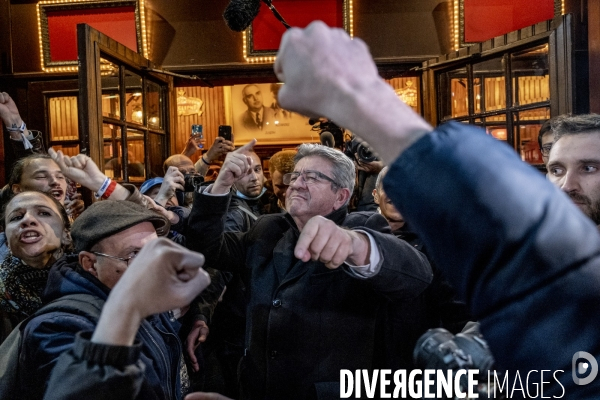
pixel 110 89
pixel 496 118
pixel 68 150
pixel 408 90
pixel 531 82
pixel 156 153
pixel 453 94
pixel 133 98
pixel 62 115
pixel 498 131
pixel 493 90
pixel 109 131
pixel 112 151
pixel 154 102
pixel 478 106
pixel 530 149
pixel 541 114
pixel 136 150
pixel 496 126
pixel 528 124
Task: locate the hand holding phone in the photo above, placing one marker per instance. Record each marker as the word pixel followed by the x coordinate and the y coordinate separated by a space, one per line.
pixel 221 146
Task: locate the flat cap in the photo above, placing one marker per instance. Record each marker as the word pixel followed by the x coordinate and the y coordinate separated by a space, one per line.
pixel 108 217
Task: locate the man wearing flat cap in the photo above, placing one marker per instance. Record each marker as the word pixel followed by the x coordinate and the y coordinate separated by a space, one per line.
pixel 107 238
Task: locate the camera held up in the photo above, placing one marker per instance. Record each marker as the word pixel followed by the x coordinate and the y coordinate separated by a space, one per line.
pixel 357 150
pixel 191 182
pixel 330 134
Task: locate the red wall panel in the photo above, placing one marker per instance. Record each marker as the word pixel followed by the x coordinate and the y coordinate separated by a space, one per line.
pixel 267 30
pixel 485 19
pixel 116 22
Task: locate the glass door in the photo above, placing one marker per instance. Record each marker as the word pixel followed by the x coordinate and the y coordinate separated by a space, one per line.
pixel 124 109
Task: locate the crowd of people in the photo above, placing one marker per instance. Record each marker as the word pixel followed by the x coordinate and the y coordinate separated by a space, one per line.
pixel 266 289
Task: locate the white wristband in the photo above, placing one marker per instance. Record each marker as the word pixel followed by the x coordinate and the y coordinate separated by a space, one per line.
pixel 103 188
pixel 22 129
pixel 19 129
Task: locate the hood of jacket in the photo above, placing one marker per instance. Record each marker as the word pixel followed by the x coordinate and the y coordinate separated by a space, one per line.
pixel 68 277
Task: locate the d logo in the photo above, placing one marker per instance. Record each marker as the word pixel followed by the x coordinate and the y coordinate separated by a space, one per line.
pixel 580 368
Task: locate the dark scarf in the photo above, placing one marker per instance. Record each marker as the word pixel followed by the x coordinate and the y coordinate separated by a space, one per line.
pixel 21 287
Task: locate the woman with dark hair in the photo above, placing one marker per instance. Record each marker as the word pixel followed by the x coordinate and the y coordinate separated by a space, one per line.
pixel 37 228
pixel 37 172
pixel 33 168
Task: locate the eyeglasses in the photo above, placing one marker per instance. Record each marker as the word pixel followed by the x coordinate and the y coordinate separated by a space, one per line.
pixel 127 260
pixel 546 149
pixel 309 177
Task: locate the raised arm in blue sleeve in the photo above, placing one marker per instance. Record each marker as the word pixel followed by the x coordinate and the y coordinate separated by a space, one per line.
pixel 529 259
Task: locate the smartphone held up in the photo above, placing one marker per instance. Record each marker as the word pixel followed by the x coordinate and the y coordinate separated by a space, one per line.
pixel 225 132
pixel 198 136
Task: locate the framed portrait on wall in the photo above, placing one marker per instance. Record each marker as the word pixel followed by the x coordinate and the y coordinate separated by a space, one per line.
pixel 255 113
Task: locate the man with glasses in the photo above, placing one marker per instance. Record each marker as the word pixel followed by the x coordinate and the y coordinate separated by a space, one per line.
pixel 315 276
pixel 107 237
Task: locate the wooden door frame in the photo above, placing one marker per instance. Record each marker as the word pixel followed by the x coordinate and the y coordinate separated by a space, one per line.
pixel 90 44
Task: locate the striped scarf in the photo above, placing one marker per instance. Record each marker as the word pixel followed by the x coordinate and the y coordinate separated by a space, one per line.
pixel 21 287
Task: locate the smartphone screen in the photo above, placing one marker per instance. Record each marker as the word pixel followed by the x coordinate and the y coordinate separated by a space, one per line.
pixel 198 136
pixel 225 132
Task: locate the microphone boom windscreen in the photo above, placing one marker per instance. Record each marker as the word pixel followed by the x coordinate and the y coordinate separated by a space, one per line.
pixel 327 139
pixel 239 14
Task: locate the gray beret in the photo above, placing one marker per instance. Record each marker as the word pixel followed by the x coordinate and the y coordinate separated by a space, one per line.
pixel 108 217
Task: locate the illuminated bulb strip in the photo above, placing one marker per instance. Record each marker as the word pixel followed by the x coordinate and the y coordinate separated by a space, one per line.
pixel 351 18
pixel 260 60
pixel 61 69
pixel 244 49
pixel 456 35
pixel 143 27
pixel 39 20
pixel 268 59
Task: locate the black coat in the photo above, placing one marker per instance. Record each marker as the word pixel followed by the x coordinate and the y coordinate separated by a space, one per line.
pixel 305 321
pixel 404 323
pixel 238 219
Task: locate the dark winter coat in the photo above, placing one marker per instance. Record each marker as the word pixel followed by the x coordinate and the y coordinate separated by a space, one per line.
pixel 305 322
pixel 51 337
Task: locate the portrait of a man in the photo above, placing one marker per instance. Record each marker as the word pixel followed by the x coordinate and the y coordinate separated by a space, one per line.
pixel 256 114
pixel 257 117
